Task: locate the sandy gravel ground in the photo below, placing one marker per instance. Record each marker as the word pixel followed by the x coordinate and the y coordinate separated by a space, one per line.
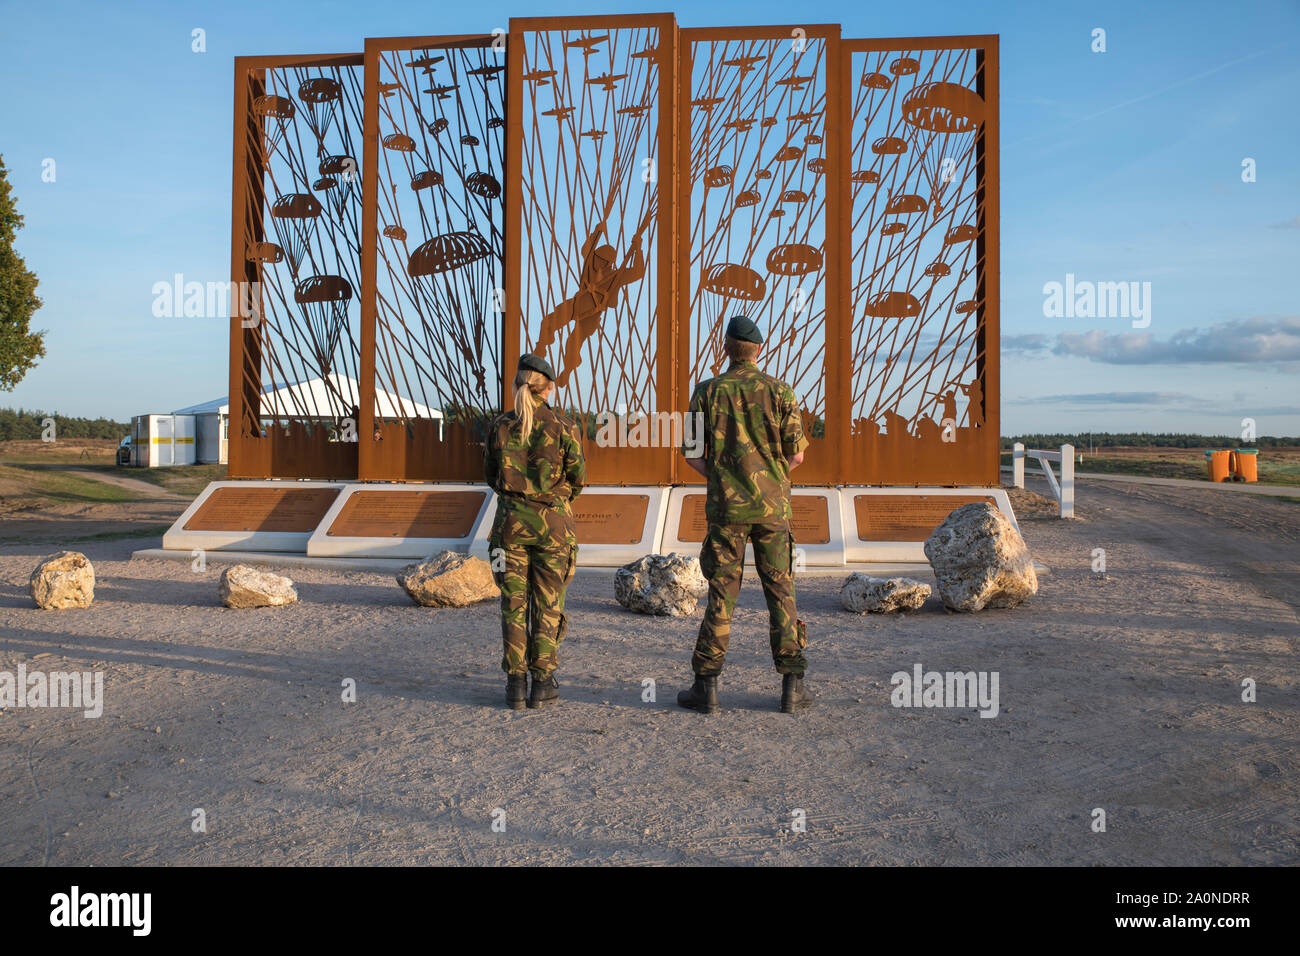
pixel 1119 691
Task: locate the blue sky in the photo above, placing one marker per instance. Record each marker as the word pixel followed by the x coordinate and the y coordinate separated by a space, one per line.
pixel 1116 166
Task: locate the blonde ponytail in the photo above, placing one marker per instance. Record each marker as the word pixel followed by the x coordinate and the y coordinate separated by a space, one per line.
pixel 529 388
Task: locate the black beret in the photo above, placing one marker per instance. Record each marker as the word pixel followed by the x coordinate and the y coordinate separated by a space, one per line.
pixel 535 363
pixel 744 329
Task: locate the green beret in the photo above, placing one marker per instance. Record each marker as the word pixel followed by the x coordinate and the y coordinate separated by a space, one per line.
pixel 535 363
pixel 744 329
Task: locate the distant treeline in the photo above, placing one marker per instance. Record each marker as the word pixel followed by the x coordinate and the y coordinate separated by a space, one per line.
pixel 20 423
pixel 1147 439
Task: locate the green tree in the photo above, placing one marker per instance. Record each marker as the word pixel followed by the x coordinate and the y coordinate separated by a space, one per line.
pixel 19 348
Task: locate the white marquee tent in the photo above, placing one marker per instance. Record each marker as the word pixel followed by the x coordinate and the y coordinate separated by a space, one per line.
pixel 319 399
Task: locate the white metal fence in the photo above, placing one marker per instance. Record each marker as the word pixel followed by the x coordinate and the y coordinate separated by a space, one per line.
pixel 1062 489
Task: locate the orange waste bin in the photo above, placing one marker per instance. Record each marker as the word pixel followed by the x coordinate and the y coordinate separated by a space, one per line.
pixel 1247 464
pixel 1220 466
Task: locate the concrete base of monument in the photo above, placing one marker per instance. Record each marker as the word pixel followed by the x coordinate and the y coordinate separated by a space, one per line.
pixel 616 525
pixel 920 571
pixel 817 524
pixel 891 524
pixel 277 559
pixel 253 516
pixel 407 521
pixel 400 521
pixel 834 528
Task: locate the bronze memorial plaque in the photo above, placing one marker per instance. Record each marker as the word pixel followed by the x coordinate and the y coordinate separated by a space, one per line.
pixel 906 517
pixel 263 509
pixel 408 514
pixel 610 519
pixel 809 523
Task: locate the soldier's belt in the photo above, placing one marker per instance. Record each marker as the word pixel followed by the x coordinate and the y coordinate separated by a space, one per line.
pixel 548 501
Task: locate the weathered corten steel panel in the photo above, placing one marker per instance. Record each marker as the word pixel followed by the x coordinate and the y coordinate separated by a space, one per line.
pixel 590 191
pixel 434 254
pixel 761 171
pixel 296 242
pixel 607 191
pixel 923 268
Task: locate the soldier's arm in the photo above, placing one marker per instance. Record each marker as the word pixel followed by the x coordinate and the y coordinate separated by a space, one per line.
pixel 793 439
pixel 491 461
pixel 575 463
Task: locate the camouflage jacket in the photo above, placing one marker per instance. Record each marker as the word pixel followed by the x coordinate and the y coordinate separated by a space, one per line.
pixel 547 471
pixel 752 427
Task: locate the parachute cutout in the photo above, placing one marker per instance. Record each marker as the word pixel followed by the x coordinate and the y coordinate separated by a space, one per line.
pixel 343 170
pixel 946 118
pixel 294 217
pixel 276 113
pixel 794 259
pixel 320 96
pixel 727 280
pixel 324 303
pixel 446 253
pixel 453 271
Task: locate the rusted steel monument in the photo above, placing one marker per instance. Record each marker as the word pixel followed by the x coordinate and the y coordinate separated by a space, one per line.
pixel 607 191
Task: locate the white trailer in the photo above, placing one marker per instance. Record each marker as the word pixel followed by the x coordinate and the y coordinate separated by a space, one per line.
pixel 160 441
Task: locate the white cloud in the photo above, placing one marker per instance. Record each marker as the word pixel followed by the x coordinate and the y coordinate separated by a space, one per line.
pixel 1257 340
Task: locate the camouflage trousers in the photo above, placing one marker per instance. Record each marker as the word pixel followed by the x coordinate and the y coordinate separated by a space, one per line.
pixel 722 559
pixel 533 580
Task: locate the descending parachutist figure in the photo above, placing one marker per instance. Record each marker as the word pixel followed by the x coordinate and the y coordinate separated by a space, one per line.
pixel 598 286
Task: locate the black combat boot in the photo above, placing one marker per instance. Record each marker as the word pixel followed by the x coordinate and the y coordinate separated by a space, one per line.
pixel 516 690
pixel 794 694
pixel 702 696
pixel 545 692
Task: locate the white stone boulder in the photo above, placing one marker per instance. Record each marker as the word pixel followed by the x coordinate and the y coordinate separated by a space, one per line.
pixel 244 586
pixel 980 560
pixel 449 579
pixel 864 594
pixel 63 580
pixel 661 584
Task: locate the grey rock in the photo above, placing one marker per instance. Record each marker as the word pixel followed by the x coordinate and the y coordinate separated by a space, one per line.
pixel 980 560
pixel 244 586
pixel 864 594
pixel 662 584
pixel 449 579
pixel 63 580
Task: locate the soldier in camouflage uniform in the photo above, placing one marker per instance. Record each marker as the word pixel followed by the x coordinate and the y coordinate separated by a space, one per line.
pixel 752 438
pixel 533 459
